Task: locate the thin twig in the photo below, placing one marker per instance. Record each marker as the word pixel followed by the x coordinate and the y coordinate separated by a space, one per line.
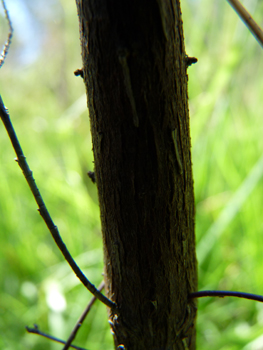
pixel 36 330
pixel 81 319
pixel 248 20
pixel 226 293
pixel 10 34
pixel 28 174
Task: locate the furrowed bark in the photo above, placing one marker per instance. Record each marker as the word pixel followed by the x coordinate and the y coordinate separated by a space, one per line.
pixel 134 66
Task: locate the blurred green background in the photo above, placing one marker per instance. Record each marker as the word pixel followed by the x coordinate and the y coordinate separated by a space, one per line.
pixel 48 109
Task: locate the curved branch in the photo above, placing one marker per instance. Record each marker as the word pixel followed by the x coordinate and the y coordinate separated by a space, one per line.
pixel 226 293
pixel 28 174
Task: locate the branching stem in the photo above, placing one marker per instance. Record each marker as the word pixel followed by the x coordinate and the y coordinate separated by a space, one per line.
pixel 28 174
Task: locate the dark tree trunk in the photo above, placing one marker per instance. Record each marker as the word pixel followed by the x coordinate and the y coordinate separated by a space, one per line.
pixel 135 74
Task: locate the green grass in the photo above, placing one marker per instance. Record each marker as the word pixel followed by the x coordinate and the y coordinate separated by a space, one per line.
pixel 225 91
pixel 48 110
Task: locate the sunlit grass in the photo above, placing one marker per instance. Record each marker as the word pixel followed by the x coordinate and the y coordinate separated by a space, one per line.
pixel 226 124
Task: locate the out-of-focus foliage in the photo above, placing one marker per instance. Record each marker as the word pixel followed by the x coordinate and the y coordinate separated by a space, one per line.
pixel 47 105
pixel 48 110
pixel 225 90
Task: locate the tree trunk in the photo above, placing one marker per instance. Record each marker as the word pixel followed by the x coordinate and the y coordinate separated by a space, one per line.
pixel 134 65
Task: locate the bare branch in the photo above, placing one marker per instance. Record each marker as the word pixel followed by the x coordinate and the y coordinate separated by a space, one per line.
pixel 28 174
pixel 36 330
pixel 248 20
pixel 81 319
pixel 10 34
pixel 223 293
